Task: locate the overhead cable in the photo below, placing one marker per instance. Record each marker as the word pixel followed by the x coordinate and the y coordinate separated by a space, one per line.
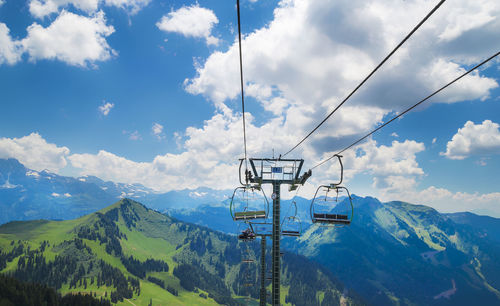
pixel 371 73
pixel 407 110
pixel 241 83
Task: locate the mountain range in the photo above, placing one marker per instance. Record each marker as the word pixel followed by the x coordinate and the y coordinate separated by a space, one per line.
pixel 404 254
pixel 130 254
pixel 27 194
pixel 396 253
pixel 393 253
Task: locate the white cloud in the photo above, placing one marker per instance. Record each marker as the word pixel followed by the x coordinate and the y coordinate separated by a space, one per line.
pixel 109 166
pixel 34 152
pixel 135 136
pixel 385 163
pixel 158 131
pixel 74 39
pixel 10 51
pixel 157 128
pixel 391 168
pixel 309 57
pixel 191 21
pixel 106 108
pixel 2 2
pixel 457 23
pixel 470 87
pixel 434 140
pixel 474 139
pixel 482 161
pixel 397 159
pixel 394 134
pixel 132 6
pixel 42 8
pixel 166 172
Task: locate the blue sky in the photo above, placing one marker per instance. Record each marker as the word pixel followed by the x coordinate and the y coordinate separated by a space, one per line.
pixel 148 91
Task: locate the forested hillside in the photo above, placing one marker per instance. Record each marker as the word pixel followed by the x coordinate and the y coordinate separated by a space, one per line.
pixel 14 292
pixel 129 252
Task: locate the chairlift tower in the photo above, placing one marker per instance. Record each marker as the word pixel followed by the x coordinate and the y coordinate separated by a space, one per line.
pixel 263 234
pixel 276 172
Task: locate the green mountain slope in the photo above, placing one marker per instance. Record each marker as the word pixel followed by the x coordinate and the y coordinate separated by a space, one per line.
pixel 14 292
pixel 403 254
pixel 130 254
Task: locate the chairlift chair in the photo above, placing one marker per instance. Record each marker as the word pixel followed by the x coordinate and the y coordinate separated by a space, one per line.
pixel 291 227
pixel 249 203
pixel 261 228
pixel 332 206
pixel 332 209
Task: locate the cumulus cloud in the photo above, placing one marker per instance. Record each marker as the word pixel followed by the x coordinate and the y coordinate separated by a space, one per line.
pixel 10 51
pixel 42 8
pixel 164 173
pixel 105 108
pixel 109 166
pixel 391 167
pixel 397 159
pixel 474 139
pixel 211 154
pixel 301 65
pixel 74 39
pixel 158 131
pixel 191 21
pixel 34 152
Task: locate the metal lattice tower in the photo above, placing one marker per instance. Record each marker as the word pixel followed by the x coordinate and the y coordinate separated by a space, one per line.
pixel 276 172
pixel 263 292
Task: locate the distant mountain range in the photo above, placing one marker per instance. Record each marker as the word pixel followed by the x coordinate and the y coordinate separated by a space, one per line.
pixel 394 253
pixel 26 194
